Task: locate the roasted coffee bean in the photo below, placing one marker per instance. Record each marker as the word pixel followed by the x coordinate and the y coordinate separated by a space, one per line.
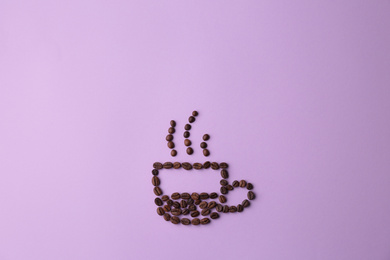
pixel 157 191
pixel 173 153
pixel 206 137
pixel 195 113
pixel 185 221
pixel 213 195
pixel 190 202
pixel 203 205
pixel 190 150
pixel 187 142
pixel 205 212
pixel 165 198
pixel 167 217
pixel 251 195
pixel 224 182
pixel 229 187
pixel 167 208
pixel 185 211
pixel 211 204
pixel 157 165
pixel 225 209
pixel 160 211
pixel 249 186
pixel 183 204
pixel 175 220
pixel 224 174
pixel 192 207
pixel 155 181
pixel 204 221
pixel 197 202
pixel 168 165
pixel 214 215
pixel 176 212
pixel 187 127
pixel 206 152
pixel 219 207
pixel 195 221
pixel 171 130
pixel 204 196
pixel 155 172
pixel 158 201
pixel 206 165
pixel 176 205
pixel 235 184
pixel 186 166
pixel 203 145
pixel 175 196
pixel 186 134
pixel 242 183
pixel 232 209
pixel 214 166
pixel 195 196
pixel 185 196
pixel 224 190
pixel 176 165
pixel 169 138
pixel 223 165
pixel 198 166
pixel 173 123
pixel 171 145
pixel 195 214
pixel 240 208
pixel 222 199
pixel 170 203
pixel 191 119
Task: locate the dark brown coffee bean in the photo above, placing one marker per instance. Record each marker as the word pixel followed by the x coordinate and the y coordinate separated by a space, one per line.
pixel 183 204
pixel 165 198
pixel 155 181
pixel 176 212
pixel 187 142
pixel 185 211
pixel 222 199
pixel 167 208
pixel 251 195
pixel 190 202
pixel 175 220
pixel 158 201
pixel 173 153
pixel 204 221
pixel 173 123
pixel 185 196
pixel 168 165
pixel 206 152
pixel 160 211
pixel 176 165
pixel 195 196
pixel 175 196
pixel 155 172
pixel 211 204
pixel 157 191
pixel 195 113
pixel 176 205
pixel 192 207
pixel 167 217
pixel 224 174
pixel 249 186
pixel 171 145
pixel 214 166
pixel 157 165
pixel 213 195
pixel 197 202
pixel 198 166
pixel 235 184
pixel 206 165
pixel 186 166
pixel 191 119
pixel 242 183
pixel 205 212
pixel 214 215
pixel 169 138
pixel 170 203
pixel 195 214
pixel 206 137
pixel 189 151
pixel 186 134
pixel 203 145
pixel 187 127
pixel 185 221
pixel 203 205
pixel 219 207
pixel 240 208
pixel 224 190
pixel 195 221
pixel 171 130
pixel 223 165
pixel 232 209
pixel 224 182
pixel 204 196
pixel 229 187
pixel 225 209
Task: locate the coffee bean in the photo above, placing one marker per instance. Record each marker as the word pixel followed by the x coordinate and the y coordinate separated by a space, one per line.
pixel 223 165
pixel 229 187
pixel 169 138
pixel 183 204
pixel 168 165
pixel 204 196
pixel 189 151
pixel 175 196
pixel 203 145
pixel 205 212
pixel 175 220
pixel 213 195
pixel 224 182
pixel 190 201
pixel 187 142
pixel 157 165
pixel 251 195
pixel 160 211
pixel 222 199
pixel 192 207
pixel 173 153
pixel 195 214
pixel 185 211
pixel 204 221
pixel 206 152
pixel 187 127
pixel 195 113
pixel 186 134
pixel 249 186
pixel 242 184
pixel 155 172
pixel 176 212
pixel 155 181
pixel 167 208
pixel 176 205
pixel 224 174
pixel 170 203
pixel 165 198
pixel 235 184
pixel 225 209
pixel 173 123
pixel 167 217
pixel 171 145
pixel 219 207
pixel 214 215
pixel 240 208
pixel 157 191
pixel 185 196
pixel 171 130
pixel 195 196
pixel 232 209
pixel 186 166
pixel 206 165
pixel 176 165
pixel 214 166
pixel 203 205
pixel 197 202
pixel 195 221
pixel 158 201
pixel 185 221
pixel 206 137
pixel 224 190
pixel 191 119
pixel 211 204
pixel 198 166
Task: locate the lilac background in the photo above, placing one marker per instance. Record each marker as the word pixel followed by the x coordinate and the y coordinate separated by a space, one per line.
pixel 295 95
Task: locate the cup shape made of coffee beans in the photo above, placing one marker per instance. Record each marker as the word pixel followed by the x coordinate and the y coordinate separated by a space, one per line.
pixel 196 208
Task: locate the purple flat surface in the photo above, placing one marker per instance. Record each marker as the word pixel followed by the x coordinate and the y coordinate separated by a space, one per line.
pixel 295 96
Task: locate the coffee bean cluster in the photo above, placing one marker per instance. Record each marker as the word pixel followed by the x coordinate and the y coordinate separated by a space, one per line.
pixel 203 145
pixel 169 138
pixel 187 128
pixel 197 208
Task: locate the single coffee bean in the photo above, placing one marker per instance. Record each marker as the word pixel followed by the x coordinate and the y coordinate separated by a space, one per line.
pixel 173 153
pixel 205 212
pixel 219 207
pixel 168 165
pixel 157 165
pixel 165 198
pixel 171 145
pixel 192 207
pixel 185 221
pixel 203 205
pixel 195 113
pixel 242 183
pixel 214 166
pixel 185 211
pixel 212 204
pixel 235 184
pixel 224 190
pixel 198 166
pixel 223 182
pixel 186 134
pixel 187 127
pixel 183 204
pixel 195 221
pixel 232 209
pixel 190 201
pixel 191 119
pixel 155 172
pixel 176 165
pixel 204 196
pixel 186 166
pixel 187 142
pixel 173 123
pixel 185 196
pixel 206 165
pixel 251 195
pixel 204 221
pixel 158 201
pixel 167 217
pixel 175 220
pixel 225 209
pixel 240 208
pixel 197 202
pixel 157 191
pixel 171 130
pixel 155 181
pixel 195 196
pixel 169 138
pixel 160 211
pixel 176 205
pixel 213 195
pixel 214 215
pixel 175 196
pixel 176 212
pixel 223 165
pixel 189 151
pixel 229 187
pixel 167 208
pixel 224 174
pixel 170 203
pixel 249 186
pixel 203 145
pixel 206 152
pixel 206 137
pixel 222 199
pixel 194 214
